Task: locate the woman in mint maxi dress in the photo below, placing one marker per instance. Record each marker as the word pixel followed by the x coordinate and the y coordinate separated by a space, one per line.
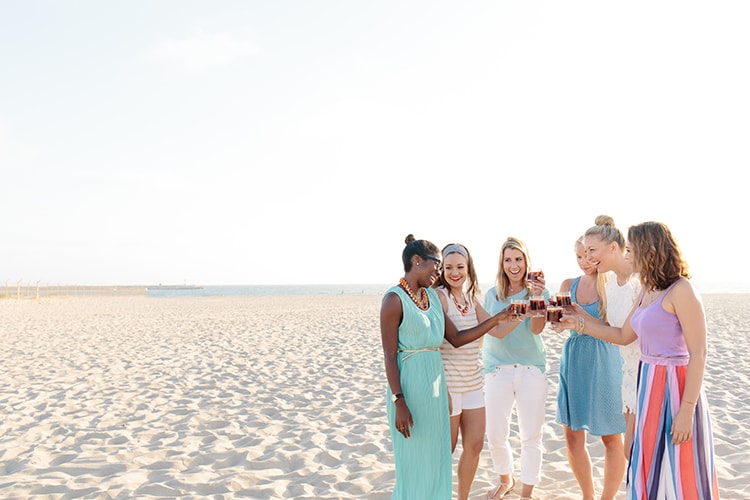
pixel 412 328
pixel 423 461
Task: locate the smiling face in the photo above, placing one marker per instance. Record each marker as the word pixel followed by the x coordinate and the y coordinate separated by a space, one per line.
pixel 514 265
pixel 455 270
pixel 429 269
pixel 629 255
pixel 600 254
pixel 583 262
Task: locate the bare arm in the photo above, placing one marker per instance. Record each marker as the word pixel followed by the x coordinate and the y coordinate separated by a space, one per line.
pixel 443 301
pixel 537 324
pixel 499 331
pixel 597 328
pixel 458 338
pixel 685 303
pixel 391 313
pixel 482 314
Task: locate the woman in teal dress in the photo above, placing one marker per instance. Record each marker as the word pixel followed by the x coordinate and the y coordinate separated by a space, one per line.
pixel 412 326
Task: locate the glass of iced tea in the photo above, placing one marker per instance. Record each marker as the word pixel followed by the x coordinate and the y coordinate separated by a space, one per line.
pixel 518 307
pixel 533 274
pixel 537 306
pixel 563 299
pixel 554 313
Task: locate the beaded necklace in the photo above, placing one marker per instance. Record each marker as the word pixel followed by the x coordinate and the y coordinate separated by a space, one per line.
pixel 423 302
pixel 463 309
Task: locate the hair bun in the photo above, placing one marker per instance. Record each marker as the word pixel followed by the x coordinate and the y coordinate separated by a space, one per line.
pixel 410 239
pixel 604 220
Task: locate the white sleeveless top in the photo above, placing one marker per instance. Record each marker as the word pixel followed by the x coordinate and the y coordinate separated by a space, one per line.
pixel 463 369
pixel 620 301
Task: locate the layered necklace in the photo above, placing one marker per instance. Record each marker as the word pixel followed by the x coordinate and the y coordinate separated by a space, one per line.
pixel 423 302
pixel 463 309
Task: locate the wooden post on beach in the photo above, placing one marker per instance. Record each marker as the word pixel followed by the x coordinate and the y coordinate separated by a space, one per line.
pixel 18 290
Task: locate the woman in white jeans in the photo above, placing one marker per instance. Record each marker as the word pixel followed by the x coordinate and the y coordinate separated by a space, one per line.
pixel 514 368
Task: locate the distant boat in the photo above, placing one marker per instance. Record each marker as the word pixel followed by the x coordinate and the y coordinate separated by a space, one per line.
pixel 174 287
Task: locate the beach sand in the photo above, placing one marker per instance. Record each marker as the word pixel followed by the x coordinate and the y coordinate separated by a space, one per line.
pixel 257 397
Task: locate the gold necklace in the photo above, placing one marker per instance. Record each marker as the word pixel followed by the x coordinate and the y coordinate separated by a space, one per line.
pixel 423 302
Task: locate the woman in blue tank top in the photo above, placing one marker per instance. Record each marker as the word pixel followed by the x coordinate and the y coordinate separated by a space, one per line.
pixel 588 394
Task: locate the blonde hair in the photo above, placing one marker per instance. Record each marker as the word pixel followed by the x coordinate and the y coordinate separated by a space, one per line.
pixel 501 281
pixel 601 281
pixel 604 228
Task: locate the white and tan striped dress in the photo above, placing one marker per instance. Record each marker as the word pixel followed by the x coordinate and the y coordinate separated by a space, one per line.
pixel 463 369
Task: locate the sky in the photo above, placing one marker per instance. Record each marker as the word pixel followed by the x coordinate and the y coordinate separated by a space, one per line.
pixel 299 142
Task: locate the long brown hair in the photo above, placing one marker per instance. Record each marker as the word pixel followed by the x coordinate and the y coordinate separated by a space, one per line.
pixel 472 280
pixel 656 255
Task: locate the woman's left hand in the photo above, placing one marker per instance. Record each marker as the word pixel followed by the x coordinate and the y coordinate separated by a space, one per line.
pixel 682 425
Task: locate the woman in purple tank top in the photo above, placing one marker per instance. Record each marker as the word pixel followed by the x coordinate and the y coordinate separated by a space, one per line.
pixel 672 455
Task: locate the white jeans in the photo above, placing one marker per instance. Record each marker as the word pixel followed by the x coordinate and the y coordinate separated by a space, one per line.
pixel 525 386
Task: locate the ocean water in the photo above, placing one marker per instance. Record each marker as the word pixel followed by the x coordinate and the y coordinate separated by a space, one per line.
pixel 265 290
pixel 361 289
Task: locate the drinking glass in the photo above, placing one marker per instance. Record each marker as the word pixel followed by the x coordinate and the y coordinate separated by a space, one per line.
pixel 533 274
pixel 537 306
pixel 518 307
pixel 563 299
pixel 554 313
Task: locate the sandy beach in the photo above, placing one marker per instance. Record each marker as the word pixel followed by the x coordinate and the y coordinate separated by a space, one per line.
pixel 256 397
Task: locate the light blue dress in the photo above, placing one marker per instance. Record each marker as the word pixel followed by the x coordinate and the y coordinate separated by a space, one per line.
pixel 424 461
pixel 589 391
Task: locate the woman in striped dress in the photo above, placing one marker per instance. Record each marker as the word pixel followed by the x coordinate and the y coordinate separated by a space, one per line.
pixel 458 288
pixel 672 455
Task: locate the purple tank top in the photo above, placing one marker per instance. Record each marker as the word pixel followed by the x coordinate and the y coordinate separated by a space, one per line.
pixel 659 332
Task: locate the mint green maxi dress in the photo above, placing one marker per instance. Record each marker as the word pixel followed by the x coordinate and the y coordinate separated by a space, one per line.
pixel 424 461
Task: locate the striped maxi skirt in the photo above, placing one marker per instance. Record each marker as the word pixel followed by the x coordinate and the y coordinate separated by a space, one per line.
pixel 657 469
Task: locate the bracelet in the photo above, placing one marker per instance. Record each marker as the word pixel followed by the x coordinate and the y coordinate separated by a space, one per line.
pixel 581 324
